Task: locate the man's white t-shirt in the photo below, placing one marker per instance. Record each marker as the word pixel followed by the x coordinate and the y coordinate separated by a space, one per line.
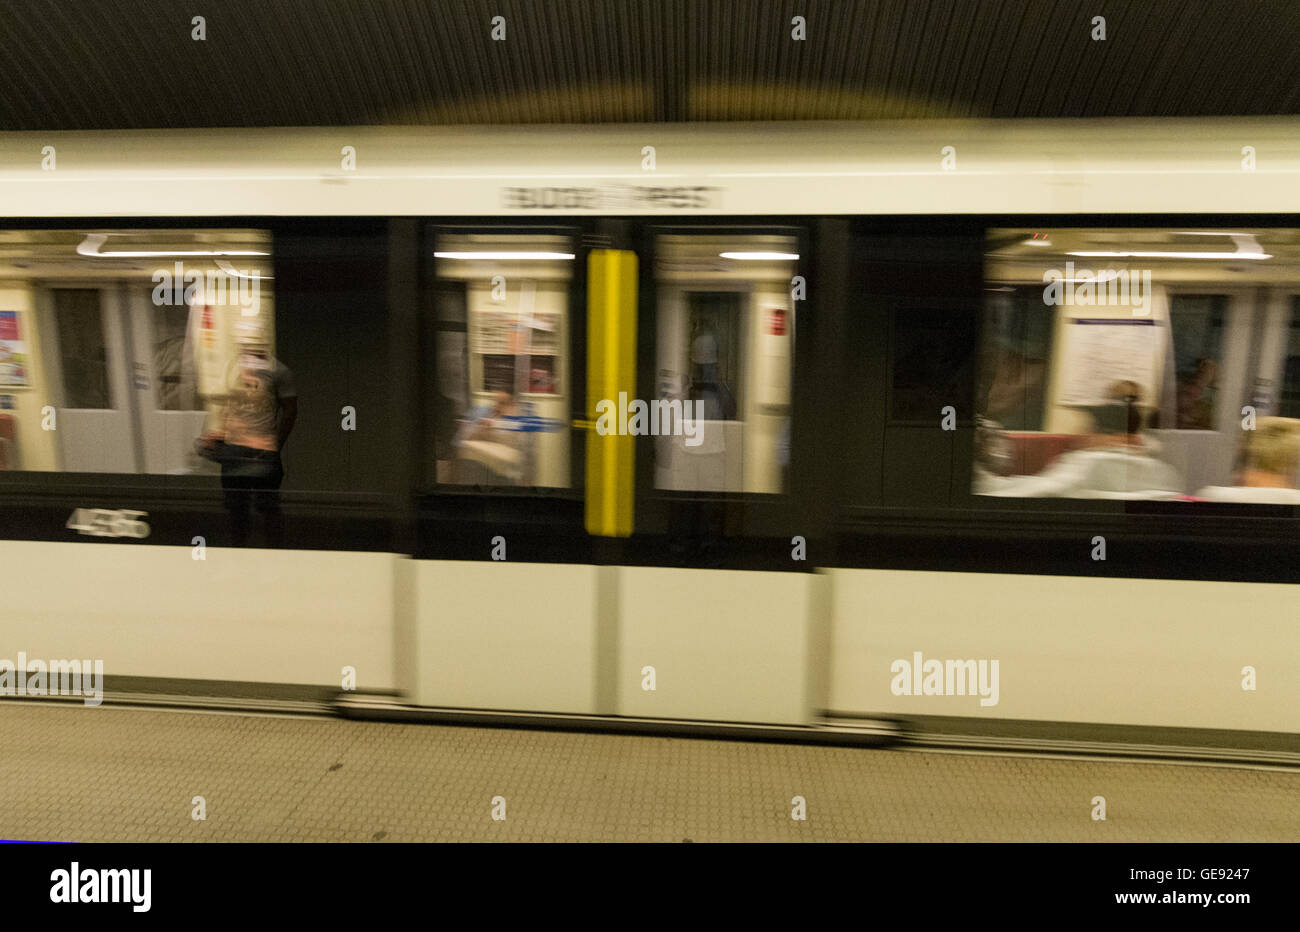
pixel 1098 473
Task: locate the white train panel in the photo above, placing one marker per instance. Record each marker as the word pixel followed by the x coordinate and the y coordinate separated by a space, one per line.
pixel 1072 649
pixel 263 616
pixel 501 635
pixel 725 645
pixel 1231 165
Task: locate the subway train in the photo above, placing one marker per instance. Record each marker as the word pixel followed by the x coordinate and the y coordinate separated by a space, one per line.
pixel 980 430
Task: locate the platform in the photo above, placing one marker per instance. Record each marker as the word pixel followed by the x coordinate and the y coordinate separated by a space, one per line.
pixel 72 773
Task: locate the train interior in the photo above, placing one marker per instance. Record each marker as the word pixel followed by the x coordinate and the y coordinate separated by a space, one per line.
pixel 132 336
pixel 1201 327
pixel 725 331
pixel 118 345
pixel 503 359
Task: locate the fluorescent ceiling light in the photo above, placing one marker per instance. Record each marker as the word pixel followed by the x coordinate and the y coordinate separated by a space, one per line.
pixel 1038 239
pixel 1247 248
pixel 90 247
pixel 759 256
pixel 1172 255
pixel 503 256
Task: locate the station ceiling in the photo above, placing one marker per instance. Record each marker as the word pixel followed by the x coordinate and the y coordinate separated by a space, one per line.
pixel 125 64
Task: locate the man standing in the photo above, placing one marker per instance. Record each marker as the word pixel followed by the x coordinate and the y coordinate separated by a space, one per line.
pixel 260 410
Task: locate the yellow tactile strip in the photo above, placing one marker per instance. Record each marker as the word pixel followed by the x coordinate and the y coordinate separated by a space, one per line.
pixel 114 774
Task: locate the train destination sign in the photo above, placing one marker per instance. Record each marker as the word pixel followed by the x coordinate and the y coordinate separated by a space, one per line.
pixel 611 197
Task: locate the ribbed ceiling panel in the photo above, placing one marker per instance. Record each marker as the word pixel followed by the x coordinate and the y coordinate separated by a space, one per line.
pixel 106 64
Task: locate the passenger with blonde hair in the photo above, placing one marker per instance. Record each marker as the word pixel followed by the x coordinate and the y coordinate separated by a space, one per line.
pixel 1272 456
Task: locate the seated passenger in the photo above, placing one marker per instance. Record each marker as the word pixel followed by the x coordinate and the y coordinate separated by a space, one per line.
pixel 1272 454
pixel 481 420
pixel 487 440
pixel 1118 462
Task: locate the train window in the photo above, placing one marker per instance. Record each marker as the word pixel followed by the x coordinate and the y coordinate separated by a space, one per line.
pixel 502 323
pixel 1196 323
pixel 1014 353
pixel 1289 403
pixel 713 343
pixel 120 349
pixel 1115 363
pixel 174 374
pixel 83 347
pixel 725 333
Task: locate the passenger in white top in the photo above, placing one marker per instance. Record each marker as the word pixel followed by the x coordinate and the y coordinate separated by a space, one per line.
pixel 1118 462
pixel 1272 454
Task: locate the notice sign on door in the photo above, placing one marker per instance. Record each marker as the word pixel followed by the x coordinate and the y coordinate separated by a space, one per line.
pixel 1101 352
pixel 13 351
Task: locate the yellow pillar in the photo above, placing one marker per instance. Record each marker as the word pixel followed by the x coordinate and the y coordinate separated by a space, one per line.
pixel 611 370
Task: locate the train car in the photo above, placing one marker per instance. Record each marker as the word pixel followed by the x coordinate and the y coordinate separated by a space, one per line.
pixel 985 427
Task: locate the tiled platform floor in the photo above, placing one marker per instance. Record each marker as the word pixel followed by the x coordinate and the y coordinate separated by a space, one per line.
pixel 122 774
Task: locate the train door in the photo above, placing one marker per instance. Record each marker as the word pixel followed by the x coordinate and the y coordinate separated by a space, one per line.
pixel 87 355
pixel 503 600
pixel 1277 384
pixel 165 384
pixel 1275 389
pixel 724 346
pixel 1209 361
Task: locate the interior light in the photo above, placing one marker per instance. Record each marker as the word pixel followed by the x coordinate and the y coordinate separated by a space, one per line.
pixel 760 256
pixel 1172 255
pixel 1038 239
pixel 503 256
pixel 1247 248
pixel 90 247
